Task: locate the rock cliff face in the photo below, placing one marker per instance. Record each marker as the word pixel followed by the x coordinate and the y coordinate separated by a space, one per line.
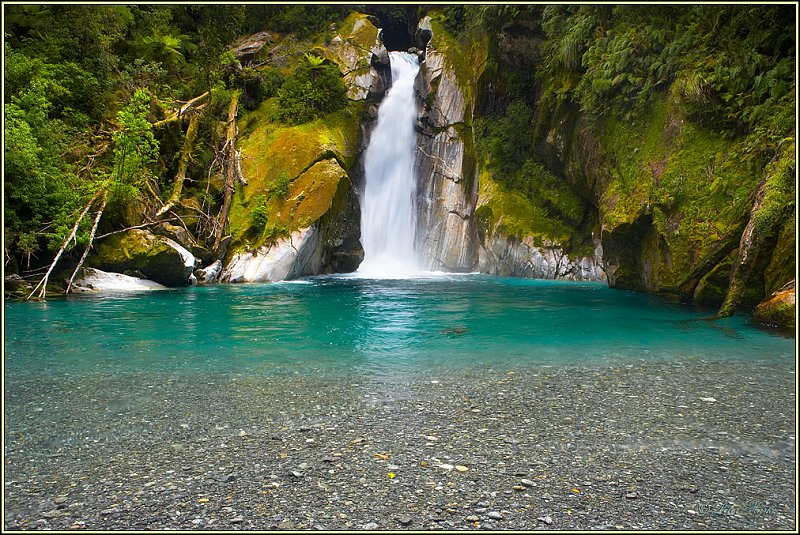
pixel 447 176
pixel 509 256
pixel 451 187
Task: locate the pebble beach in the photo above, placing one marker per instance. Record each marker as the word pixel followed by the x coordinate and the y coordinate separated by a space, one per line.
pixel 698 445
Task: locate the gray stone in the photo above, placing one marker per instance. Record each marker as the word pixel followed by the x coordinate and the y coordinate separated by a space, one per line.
pixel 249 46
pixel 494 515
pixel 209 274
pixel 424 32
pixel 509 256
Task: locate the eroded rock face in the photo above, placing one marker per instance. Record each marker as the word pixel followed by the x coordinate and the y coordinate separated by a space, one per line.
pixel 297 255
pixel 158 258
pixel 511 257
pixel 445 167
pixel 361 56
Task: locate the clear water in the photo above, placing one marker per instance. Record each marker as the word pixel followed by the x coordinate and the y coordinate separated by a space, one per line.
pixel 379 328
pixel 388 213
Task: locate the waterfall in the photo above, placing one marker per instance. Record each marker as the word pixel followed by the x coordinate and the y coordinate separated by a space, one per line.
pixel 388 211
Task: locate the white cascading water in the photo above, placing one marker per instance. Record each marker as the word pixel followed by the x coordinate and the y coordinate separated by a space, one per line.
pixel 388 211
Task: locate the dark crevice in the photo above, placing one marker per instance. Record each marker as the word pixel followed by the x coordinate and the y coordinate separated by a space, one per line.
pixel 399 24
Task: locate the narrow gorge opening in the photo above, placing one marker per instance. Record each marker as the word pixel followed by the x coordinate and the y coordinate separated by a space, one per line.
pixel 388 211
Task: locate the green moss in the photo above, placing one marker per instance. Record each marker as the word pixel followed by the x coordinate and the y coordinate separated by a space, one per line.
pixel 782 266
pixel 271 152
pixel 690 178
pixel 513 214
pixel 280 158
pixel 780 310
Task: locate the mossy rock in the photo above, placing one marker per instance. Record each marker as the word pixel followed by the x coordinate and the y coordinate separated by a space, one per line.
pixel 777 311
pixel 511 213
pixel 781 268
pixel 139 250
pixel 689 181
pixel 292 172
pixel 712 288
pixel 15 287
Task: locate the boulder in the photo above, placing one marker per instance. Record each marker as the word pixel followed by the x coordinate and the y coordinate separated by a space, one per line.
pixel 424 32
pixel 779 309
pixel 185 239
pixel 288 258
pixel 158 258
pixel 15 286
pixel 95 280
pixel 209 274
pixel 248 47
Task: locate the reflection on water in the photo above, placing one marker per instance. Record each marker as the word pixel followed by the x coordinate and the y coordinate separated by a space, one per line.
pixel 380 326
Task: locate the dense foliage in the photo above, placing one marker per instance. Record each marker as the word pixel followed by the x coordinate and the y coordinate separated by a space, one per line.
pixel 730 69
pixel 83 84
pixel 315 88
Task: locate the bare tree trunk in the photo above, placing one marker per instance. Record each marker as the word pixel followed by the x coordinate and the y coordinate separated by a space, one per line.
pixel 229 164
pixel 43 282
pixel 91 240
pixel 183 164
pixel 193 104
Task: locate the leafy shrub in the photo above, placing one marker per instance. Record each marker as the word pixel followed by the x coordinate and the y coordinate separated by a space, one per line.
pixel 259 213
pixel 280 187
pixel 311 92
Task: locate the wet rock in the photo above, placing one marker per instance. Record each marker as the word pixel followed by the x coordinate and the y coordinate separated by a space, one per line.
pixel 779 309
pixel 509 256
pixel 209 274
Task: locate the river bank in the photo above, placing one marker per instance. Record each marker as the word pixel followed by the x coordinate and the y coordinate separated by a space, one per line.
pixel 695 444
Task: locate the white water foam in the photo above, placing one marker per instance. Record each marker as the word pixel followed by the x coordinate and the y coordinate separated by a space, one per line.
pixel 388 211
